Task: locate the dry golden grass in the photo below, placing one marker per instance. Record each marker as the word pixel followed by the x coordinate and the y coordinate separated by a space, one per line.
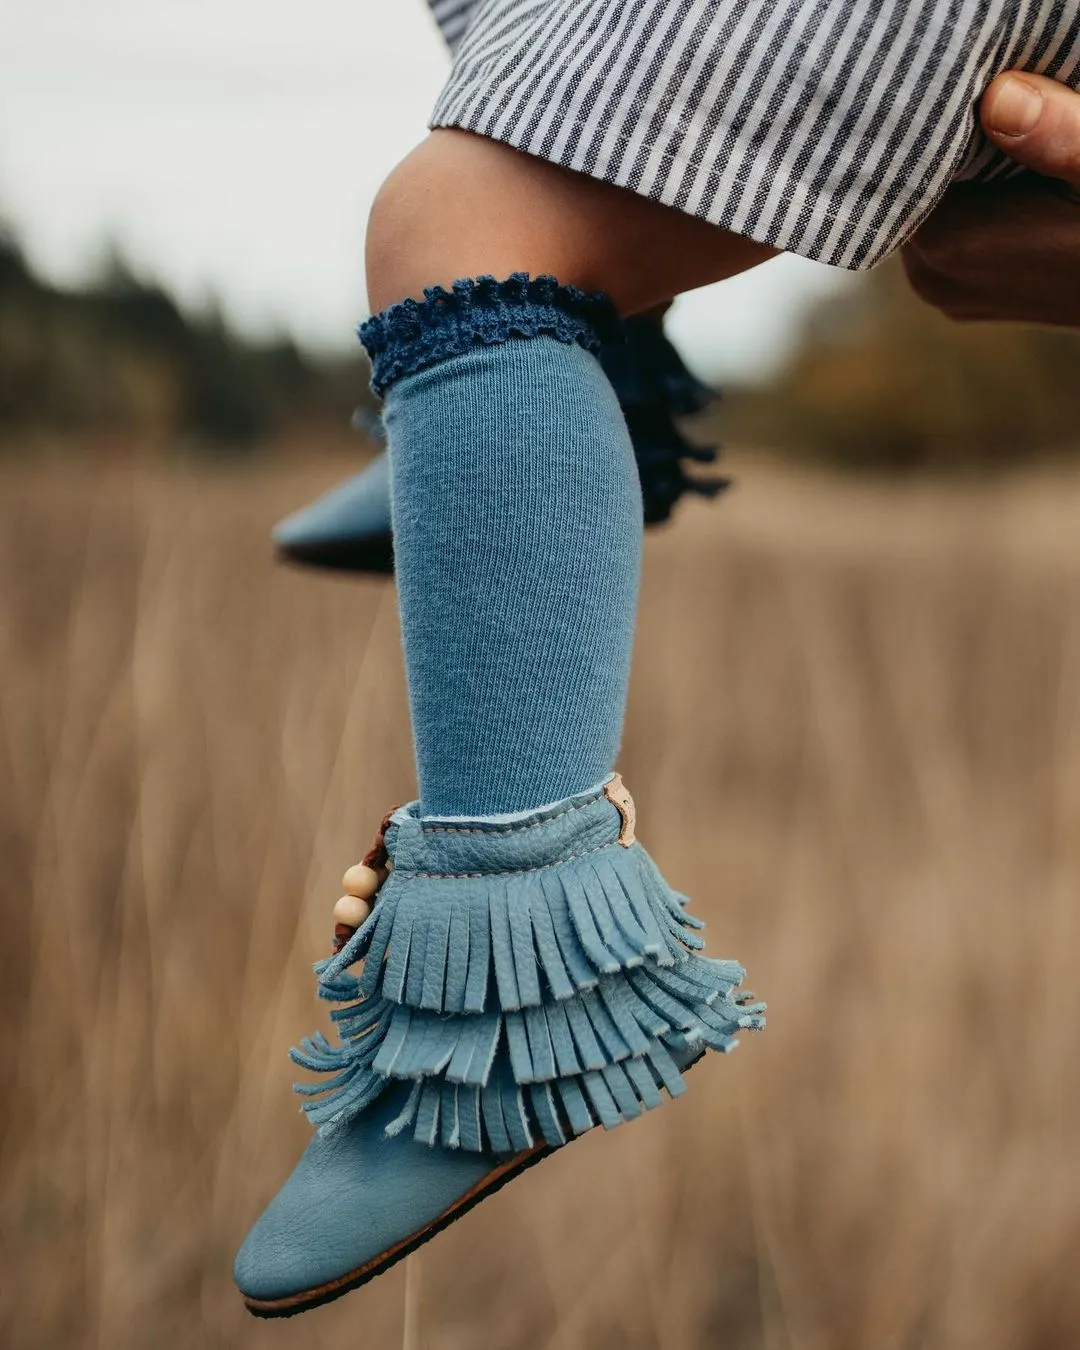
pixel 854 738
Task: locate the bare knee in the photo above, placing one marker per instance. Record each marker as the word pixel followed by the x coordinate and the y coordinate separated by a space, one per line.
pixel 462 205
pixel 402 231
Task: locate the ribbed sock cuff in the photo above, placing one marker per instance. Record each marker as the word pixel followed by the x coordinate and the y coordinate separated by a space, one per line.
pixel 481 311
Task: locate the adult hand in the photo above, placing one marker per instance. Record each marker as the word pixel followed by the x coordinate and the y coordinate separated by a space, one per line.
pixel 1011 250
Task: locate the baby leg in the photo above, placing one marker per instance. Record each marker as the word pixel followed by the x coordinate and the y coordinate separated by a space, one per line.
pixel 517 512
pixel 525 971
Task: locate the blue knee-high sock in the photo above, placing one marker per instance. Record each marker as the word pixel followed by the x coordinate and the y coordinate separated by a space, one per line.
pixel 517 525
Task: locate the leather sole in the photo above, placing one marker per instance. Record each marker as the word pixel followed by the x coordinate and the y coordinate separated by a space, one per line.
pixel 326 1293
pixel 374 556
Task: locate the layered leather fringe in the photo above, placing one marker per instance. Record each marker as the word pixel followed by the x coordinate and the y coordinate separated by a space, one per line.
pixel 523 1005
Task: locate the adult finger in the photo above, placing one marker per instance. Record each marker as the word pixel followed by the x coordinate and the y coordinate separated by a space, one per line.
pixel 1036 121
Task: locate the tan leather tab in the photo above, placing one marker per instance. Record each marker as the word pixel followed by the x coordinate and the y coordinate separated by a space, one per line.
pixel 376 856
pixel 617 794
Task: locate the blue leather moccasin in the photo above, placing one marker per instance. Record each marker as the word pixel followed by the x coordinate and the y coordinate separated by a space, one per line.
pixel 521 980
pixel 347 529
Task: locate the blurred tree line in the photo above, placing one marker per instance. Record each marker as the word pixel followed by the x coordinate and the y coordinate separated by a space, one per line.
pixel 877 380
pixel 880 380
pixel 120 356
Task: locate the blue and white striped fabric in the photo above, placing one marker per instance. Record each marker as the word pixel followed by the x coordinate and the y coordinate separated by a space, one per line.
pixel 453 17
pixel 828 128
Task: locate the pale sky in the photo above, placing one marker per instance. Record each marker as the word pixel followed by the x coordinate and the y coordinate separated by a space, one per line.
pixel 234 146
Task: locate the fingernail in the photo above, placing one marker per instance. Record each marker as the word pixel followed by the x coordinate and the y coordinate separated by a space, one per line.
pixel 1015 109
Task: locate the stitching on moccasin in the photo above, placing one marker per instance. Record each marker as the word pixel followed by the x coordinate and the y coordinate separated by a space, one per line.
pixel 509 872
pixel 505 829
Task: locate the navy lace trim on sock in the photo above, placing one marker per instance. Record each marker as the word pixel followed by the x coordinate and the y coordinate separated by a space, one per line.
pixel 481 311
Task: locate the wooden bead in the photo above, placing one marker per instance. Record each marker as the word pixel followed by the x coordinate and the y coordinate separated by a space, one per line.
pixel 363 881
pixel 351 910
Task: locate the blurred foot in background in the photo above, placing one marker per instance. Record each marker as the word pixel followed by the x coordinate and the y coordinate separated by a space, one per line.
pixel 348 529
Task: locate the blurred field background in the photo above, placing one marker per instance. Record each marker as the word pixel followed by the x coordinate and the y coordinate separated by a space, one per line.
pixel 853 738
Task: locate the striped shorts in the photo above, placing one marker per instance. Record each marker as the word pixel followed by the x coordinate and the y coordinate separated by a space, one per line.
pixel 828 128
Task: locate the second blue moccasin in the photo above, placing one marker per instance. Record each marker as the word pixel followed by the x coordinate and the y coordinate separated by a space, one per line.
pixel 346 529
